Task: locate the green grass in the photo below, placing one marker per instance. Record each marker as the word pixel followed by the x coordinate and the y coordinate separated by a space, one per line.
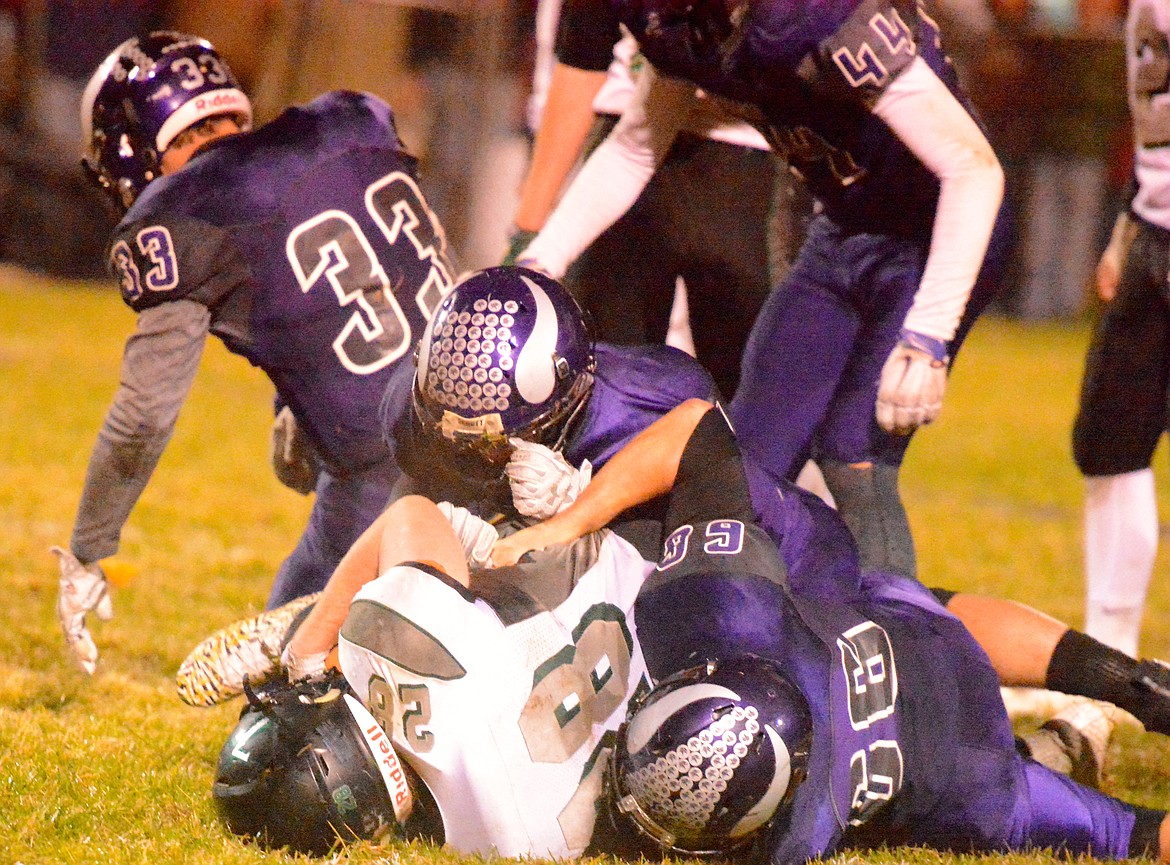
pixel 114 769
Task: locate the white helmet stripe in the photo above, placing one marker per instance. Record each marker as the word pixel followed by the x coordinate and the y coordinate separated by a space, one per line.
pixel 227 100
pixel 763 810
pixel 89 96
pixel 535 371
pixel 649 719
pixel 386 757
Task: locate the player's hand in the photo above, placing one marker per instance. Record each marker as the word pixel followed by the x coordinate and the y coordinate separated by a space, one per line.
pixel 476 536
pixel 542 480
pixel 303 666
pixel 1108 275
pixel 83 588
pixel 509 550
pixel 293 458
pixel 913 381
pixel 518 241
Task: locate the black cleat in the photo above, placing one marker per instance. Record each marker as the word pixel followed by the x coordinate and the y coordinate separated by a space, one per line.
pixel 1151 683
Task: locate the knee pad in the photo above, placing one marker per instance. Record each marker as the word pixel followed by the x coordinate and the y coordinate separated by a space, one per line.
pixel 869 503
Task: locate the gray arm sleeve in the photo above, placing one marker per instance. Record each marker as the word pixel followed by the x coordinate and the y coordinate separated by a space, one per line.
pixel 158 366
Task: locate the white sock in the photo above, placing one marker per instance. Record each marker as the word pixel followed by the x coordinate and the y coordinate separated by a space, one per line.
pixel 1121 540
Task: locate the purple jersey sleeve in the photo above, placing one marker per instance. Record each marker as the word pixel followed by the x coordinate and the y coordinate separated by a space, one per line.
pixel 633 387
pixel 313 247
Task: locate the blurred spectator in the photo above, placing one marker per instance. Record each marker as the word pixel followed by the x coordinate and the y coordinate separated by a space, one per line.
pixel 1049 80
pixel 1123 402
pixel 50 218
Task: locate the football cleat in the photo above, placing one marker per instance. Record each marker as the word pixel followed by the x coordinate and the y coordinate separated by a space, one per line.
pixel 1152 702
pixel 1075 741
pixel 217 668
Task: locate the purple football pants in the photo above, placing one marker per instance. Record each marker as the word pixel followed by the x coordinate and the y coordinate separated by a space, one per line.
pixel 814 357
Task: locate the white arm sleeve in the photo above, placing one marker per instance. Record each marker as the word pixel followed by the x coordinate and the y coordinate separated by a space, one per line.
pixel 925 115
pixel 614 176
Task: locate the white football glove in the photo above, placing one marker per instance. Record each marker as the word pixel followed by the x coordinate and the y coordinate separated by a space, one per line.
pixel 913 381
pixel 83 588
pixel 477 536
pixel 543 482
pixel 293 458
pixel 301 667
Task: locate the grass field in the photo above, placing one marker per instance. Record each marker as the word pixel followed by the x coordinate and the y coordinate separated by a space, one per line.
pixel 114 769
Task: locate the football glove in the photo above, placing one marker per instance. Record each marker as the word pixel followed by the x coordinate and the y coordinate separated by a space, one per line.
pixel 518 241
pixel 293 458
pixel 301 667
pixel 477 536
pixel 913 381
pixel 83 588
pixel 250 650
pixel 543 482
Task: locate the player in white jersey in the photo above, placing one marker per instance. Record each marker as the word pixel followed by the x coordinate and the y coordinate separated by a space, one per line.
pixel 499 689
pixel 1123 403
pixel 471 697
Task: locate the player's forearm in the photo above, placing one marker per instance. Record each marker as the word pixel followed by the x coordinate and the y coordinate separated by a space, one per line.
pixel 942 134
pixel 158 366
pixel 357 567
pixel 114 480
pixel 568 117
pixel 615 174
pixel 645 468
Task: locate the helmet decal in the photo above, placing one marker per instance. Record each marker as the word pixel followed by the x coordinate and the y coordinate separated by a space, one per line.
pixel 535 376
pixel 507 353
pixel 648 721
pixel 386 758
pixel 712 755
pixel 763 810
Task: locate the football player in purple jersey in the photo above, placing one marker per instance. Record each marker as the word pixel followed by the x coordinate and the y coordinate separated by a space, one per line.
pixel 851 351
pixel 305 245
pixel 885 720
pixel 511 395
pixel 471 427
pixel 803 706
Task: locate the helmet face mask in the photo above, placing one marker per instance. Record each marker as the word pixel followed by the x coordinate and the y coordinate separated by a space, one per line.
pixel 507 354
pixel 307 765
pixel 711 756
pixel 144 94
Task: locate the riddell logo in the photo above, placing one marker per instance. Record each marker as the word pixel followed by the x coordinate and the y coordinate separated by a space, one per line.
pixel 393 775
pixel 384 754
pixel 217 100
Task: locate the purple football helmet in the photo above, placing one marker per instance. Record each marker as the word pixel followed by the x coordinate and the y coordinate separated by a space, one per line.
pixel 506 354
pixel 147 91
pixel 711 755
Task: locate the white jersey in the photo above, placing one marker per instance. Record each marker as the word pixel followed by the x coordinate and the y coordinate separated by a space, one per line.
pixel 504 710
pixel 1147 55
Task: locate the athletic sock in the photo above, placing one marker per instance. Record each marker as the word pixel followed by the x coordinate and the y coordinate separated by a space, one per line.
pixel 1121 541
pixel 1083 665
